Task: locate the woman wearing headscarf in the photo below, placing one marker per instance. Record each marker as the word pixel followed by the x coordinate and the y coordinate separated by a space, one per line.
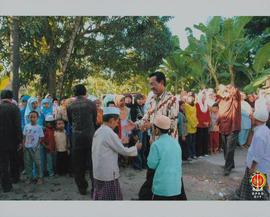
pixel 204 119
pixel 124 115
pixel 246 112
pixel 137 113
pixel 32 105
pixel 24 100
pixel 123 120
pixel 47 107
pixel 108 98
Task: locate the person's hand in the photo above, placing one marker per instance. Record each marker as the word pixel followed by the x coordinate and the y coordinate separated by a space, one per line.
pixel 125 140
pixel 151 141
pixel 138 145
pixel 183 138
pixel 129 126
pixel 23 147
pixel 216 128
pixel 147 125
pixel 136 138
pixel 36 148
pixel 206 124
pixel 68 152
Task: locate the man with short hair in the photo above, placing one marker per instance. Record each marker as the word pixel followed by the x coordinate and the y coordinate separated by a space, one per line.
pixel 82 115
pixel 11 137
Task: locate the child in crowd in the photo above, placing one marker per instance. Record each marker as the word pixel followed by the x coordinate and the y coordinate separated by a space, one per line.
pixel 62 148
pixel 182 131
pixel 111 104
pixel 33 134
pixel 214 132
pixel 165 158
pixel 49 143
pixel 192 122
pixel 105 149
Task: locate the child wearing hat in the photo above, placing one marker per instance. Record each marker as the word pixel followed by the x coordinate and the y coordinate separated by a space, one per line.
pixel 258 157
pixel 165 158
pixel 49 143
pixel 105 149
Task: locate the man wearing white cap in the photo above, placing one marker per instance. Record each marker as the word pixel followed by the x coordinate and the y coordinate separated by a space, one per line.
pixel 165 158
pixel 105 149
pixel 258 158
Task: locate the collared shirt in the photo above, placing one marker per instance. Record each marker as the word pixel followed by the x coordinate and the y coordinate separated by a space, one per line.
pixel 165 157
pixel 259 151
pixel 105 149
pixel 165 104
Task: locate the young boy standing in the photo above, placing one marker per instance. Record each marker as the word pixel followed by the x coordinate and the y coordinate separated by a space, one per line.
pixel 258 157
pixel 165 158
pixel 62 148
pixel 33 134
pixel 105 149
pixel 49 144
pixel 214 132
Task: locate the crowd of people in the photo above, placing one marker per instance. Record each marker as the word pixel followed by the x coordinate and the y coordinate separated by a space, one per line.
pixel 50 137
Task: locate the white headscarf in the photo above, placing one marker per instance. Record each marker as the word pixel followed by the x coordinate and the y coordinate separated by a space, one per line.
pixel 203 107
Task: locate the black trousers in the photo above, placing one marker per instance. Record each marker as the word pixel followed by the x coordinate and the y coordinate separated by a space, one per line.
pixel 184 148
pixel 145 192
pixel 81 162
pixel 5 158
pixel 16 167
pixel 157 197
pixel 230 143
pixel 62 163
pixel 202 139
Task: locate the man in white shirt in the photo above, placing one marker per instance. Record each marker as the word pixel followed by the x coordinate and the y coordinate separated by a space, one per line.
pixel 258 157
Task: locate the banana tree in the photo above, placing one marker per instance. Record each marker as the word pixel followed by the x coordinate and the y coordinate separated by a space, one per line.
pixel 205 49
pixel 175 68
pixel 261 68
pixel 233 44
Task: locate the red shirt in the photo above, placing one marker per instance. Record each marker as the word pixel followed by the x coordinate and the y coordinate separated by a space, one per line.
pixel 229 114
pixel 48 140
pixel 202 117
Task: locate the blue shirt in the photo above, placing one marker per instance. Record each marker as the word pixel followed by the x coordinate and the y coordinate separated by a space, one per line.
pixel 165 157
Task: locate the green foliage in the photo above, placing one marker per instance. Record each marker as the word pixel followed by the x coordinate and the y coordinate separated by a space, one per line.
pixel 111 47
pixel 262 58
pixel 224 53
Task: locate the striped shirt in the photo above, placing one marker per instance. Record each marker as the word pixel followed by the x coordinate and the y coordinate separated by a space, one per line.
pixel 165 104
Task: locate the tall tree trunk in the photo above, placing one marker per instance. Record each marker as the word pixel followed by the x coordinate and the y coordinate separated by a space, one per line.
pixel 232 74
pixel 15 56
pixel 52 83
pixel 214 74
pixel 69 51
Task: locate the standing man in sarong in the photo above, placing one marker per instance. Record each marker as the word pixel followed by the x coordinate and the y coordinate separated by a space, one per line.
pixel 258 158
pixel 229 122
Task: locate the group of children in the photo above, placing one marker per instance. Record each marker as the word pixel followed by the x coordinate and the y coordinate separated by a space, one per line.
pixel 46 142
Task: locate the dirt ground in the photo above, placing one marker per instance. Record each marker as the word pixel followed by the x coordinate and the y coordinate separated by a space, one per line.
pixel 203 180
